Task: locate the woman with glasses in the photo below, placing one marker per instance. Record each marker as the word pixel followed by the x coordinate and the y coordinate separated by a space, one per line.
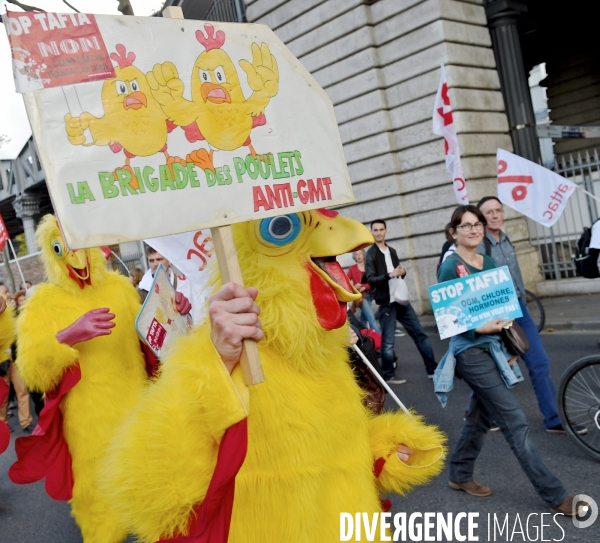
pixel 479 355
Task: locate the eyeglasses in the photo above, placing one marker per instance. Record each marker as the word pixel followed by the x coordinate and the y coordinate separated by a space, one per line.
pixel 467 227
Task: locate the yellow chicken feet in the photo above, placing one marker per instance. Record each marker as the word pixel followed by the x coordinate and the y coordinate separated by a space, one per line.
pixel 202 158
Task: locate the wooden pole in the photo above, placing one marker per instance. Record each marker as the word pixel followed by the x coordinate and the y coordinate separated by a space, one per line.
pixel 229 267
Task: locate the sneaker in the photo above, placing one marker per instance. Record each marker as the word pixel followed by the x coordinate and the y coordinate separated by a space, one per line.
pixel 399 333
pixel 494 428
pixel 472 488
pixel 559 429
pixel 566 507
pixel 430 376
pixel 395 381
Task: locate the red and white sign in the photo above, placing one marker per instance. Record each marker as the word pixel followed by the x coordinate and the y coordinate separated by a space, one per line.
pixel 4 237
pixel 156 335
pixel 54 49
pixel 443 125
pixel 531 189
pixel 190 253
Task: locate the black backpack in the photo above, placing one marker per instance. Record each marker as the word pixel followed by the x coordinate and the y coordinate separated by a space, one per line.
pixel 586 259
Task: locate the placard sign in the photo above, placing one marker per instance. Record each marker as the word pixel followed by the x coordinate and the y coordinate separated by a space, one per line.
pixel 201 125
pixel 468 302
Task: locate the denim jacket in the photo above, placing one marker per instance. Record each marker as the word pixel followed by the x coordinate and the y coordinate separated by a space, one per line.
pixel 443 378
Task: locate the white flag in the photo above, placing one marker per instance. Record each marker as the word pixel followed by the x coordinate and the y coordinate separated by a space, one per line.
pixel 443 125
pixel 531 189
pixel 190 252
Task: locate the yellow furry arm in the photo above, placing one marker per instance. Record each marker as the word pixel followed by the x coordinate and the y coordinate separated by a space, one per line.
pixel 41 359
pixel 389 430
pixel 7 328
pixel 161 460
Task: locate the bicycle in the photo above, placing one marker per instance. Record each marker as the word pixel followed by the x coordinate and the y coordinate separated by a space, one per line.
pixel 535 307
pixel 579 403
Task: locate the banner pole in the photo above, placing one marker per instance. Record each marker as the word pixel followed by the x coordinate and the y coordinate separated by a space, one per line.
pixel 381 380
pixel 588 193
pixel 17 263
pixel 229 266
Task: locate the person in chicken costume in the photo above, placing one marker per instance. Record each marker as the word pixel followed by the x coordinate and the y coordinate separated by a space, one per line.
pixel 7 336
pixel 313 450
pixel 78 345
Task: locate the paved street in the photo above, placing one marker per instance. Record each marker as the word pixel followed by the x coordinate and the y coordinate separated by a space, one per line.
pixel 27 515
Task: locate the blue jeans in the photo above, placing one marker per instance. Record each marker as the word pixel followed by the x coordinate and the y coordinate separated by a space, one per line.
pixel 538 365
pixel 366 314
pixel 493 401
pixel 406 316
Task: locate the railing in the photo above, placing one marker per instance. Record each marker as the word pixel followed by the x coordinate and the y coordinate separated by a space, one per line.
pixel 557 245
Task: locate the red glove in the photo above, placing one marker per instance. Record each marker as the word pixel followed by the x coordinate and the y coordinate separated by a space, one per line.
pixel 94 323
pixel 183 304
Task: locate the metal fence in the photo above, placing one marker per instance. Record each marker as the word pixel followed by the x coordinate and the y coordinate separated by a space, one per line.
pixel 557 245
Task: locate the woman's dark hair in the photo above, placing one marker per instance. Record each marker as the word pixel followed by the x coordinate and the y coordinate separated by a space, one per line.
pixel 460 211
pixel 448 235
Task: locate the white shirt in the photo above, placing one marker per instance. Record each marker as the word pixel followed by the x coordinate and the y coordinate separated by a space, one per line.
pixel 390 268
pixel 595 241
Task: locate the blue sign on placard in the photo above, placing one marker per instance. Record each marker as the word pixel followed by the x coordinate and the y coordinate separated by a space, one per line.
pixel 468 302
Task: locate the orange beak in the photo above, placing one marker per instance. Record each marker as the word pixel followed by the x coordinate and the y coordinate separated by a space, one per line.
pixel 135 100
pixel 214 93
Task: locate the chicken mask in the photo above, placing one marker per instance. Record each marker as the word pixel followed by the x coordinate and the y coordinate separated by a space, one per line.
pixel 70 269
pixel 291 259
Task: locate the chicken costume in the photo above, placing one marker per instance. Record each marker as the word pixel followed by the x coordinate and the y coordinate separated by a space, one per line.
pixel 313 450
pixel 89 386
pixel 7 336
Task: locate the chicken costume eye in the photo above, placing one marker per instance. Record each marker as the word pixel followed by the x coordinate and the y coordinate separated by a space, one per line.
pixel 57 248
pixel 135 85
pixel 280 230
pixel 205 76
pixel 121 87
pixel 220 74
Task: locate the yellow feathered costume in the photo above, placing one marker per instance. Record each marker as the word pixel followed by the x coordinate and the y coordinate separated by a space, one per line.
pixel 112 366
pixel 7 328
pixel 311 443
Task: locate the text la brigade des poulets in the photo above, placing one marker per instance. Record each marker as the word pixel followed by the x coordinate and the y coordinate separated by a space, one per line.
pixel 494 300
pixel 179 177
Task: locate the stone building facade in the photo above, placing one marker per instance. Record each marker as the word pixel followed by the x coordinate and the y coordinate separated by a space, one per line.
pixel 380 64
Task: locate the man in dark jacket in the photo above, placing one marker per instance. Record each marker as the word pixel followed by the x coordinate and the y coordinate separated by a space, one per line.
pixel 382 264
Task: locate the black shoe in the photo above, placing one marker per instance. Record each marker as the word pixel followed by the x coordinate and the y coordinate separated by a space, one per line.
pixel 28 429
pixel 559 429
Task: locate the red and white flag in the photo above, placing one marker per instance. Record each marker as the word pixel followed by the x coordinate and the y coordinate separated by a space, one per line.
pixel 443 125
pixel 4 237
pixel 531 189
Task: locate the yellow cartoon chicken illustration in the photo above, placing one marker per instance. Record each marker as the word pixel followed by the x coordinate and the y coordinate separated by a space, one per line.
pixel 133 120
pixel 218 112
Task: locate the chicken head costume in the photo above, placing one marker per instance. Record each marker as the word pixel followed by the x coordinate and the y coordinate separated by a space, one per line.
pixel 313 450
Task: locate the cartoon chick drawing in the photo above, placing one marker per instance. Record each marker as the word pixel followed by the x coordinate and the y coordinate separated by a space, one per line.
pixel 133 120
pixel 218 112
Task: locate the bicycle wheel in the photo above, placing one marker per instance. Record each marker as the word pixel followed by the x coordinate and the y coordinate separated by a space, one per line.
pixel 536 309
pixel 579 403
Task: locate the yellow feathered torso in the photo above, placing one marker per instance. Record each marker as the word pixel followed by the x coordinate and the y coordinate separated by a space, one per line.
pixel 311 443
pixel 112 376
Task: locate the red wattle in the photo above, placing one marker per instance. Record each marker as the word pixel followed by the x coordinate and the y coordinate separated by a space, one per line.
pixel 330 311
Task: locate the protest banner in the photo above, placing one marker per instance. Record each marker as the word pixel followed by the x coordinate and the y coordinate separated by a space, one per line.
pixel 468 302
pixel 531 189
pixel 443 125
pixel 203 125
